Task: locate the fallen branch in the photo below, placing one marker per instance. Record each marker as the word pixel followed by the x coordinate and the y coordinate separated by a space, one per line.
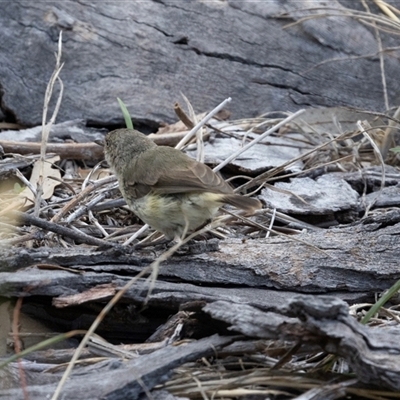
pixel 80 151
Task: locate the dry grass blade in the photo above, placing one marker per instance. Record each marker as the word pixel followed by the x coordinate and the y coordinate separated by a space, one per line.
pixel 262 178
pixel 46 126
pixel 271 224
pixel 191 381
pixel 72 233
pixel 384 299
pixel 304 171
pixel 382 21
pixel 379 156
pixel 388 9
pixel 328 392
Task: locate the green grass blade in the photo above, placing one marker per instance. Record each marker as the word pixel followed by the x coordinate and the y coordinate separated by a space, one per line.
pixel 125 113
pixel 385 298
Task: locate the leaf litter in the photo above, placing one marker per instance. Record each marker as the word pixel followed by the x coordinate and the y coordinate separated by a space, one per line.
pixel 323 154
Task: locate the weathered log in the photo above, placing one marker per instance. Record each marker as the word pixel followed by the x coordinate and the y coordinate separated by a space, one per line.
pixel 373 354
pixel 148 52
pixel 118 379
pixel 169 295
pixel 362 258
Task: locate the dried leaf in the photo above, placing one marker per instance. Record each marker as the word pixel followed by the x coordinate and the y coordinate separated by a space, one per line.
pixel 48 173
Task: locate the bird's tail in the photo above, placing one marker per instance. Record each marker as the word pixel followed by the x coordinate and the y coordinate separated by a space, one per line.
pixel 245 203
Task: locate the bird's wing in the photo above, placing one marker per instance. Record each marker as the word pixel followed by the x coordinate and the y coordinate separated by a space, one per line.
pixel 195 177
pixel 171 171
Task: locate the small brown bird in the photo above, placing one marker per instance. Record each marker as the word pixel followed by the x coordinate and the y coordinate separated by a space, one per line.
pixel 165 188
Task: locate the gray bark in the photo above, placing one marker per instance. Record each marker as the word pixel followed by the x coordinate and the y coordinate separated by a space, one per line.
pixel 118 379
pixel 356 259
pixel 374 354
pixel 148 52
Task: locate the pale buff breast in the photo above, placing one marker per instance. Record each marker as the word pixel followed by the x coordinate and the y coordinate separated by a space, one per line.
pixel 170 214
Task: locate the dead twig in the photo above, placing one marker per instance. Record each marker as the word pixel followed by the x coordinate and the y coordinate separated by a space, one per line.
pixel 81 237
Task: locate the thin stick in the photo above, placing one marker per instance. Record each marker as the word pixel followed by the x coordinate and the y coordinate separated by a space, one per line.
pixel 199 133
pixel 258 139
pixel 85 207
pixel 60 230
pixel 191 134
pixel 80 196
pixel 142 230
pixel 182 116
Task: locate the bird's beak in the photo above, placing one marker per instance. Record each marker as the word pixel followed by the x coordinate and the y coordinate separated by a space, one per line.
pixel 99 142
